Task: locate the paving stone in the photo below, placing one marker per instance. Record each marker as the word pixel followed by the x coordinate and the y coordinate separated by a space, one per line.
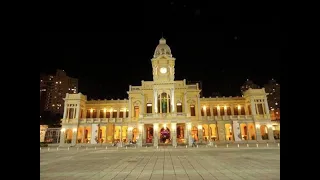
pixel 165 163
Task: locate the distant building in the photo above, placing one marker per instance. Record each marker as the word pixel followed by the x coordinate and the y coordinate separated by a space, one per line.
pixel 273 90
pixel 53 89
pixel 248 84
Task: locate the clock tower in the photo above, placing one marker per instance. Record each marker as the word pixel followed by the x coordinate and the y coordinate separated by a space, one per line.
pixel 163 63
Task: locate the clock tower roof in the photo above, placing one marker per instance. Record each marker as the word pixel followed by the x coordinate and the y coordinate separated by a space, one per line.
pixel 162 49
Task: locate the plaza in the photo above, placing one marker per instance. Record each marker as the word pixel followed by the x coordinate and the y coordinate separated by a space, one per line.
pixel 162 162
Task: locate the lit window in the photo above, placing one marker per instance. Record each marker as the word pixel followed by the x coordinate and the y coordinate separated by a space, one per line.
pixel 276 103
pixel 52 105
pixel 57 82
pixel 277 112
pixel 60 82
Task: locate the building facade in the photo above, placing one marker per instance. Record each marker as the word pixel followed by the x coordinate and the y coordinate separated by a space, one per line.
pixel 166 111
pixel 53 89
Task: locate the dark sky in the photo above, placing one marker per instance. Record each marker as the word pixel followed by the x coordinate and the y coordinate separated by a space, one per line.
pixel 106 63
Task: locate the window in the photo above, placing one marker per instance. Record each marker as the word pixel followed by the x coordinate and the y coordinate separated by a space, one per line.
pixel 121 114
pixel 108 114
pixel 101 114
pixel 192 110
pixel 235 111
pixel 260 109
pixel 215 111
pixel 208 111
pixel 136 112
pixel 228 111
pixel 179 107
pixel 202 112
pixel 164 103
pixel 149 107
pixel 222 111
pixel 114 114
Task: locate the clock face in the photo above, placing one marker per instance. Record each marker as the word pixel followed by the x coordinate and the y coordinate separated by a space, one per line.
pixel 163 70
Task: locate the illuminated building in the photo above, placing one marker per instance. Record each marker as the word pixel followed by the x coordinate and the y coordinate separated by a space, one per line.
pixel 166 111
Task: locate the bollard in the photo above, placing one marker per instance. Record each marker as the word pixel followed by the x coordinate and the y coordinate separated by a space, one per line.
pixel 40 149
pixel 238 145
pixel 215 146
pixel 135 147
pixel 68 148
pixel 146 146
pixel 48 149
pixel 157 147
pixel 257 145
pixel 77 148
pixel 247 145
pixel 278 144
pixel 267 145
pixel 95 148
pixel 106 147
pixel 86 148
pixel 197 146
pixel 126 147
pixel 186 146
pixel 57 148
pixel 117 147
pixel 227 145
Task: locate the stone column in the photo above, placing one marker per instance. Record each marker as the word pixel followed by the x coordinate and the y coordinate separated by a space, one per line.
pixel 118 113
pixel 185 135
pixel 253 108
pixel 155 134
pixel 232 109
pixel 78 111
pixel 221 131
pixel 155 101
pixel 199 107
pixel 189 126
pixel 174 134
pixel 65 110
pixel 130 107
pixel 200 133
pixel 258 132
pixel 266 107
pixel 143 105
pixel 62 136
pixel 74 136
pixel 83 134
pixel 185 104
pixel 120 135
pixel 270 133
pixel 140 127
pixel 130 128
pixel 111 113
pixel 172 101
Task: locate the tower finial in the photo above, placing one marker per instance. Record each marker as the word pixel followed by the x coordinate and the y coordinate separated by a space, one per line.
pixel 162 34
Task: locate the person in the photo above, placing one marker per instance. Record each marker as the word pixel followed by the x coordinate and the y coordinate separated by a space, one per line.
pixel 194 142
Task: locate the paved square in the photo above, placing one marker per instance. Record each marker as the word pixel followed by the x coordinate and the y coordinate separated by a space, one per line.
pixel 165 163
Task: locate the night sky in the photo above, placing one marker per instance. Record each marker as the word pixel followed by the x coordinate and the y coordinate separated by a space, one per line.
pixel 106 63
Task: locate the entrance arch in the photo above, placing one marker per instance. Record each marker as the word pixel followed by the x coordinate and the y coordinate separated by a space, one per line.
pixel 164 135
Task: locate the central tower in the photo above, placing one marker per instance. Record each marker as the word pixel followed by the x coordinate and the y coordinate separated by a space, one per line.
pixel 163 63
